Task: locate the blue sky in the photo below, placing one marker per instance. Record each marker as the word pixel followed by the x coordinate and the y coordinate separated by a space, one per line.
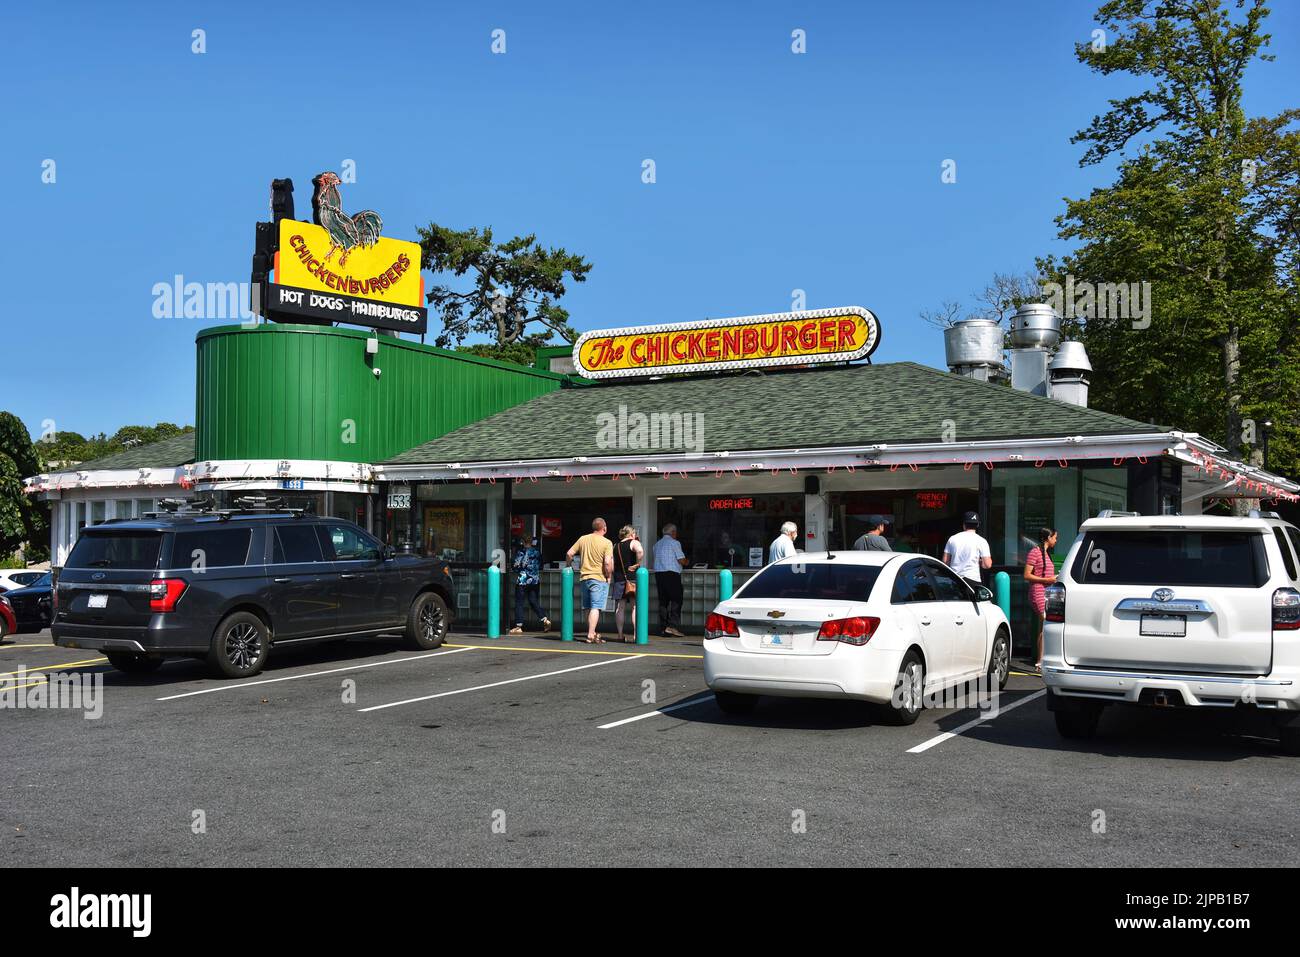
pixel 775 171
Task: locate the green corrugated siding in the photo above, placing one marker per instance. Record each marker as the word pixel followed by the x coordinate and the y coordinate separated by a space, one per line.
pixel 284 391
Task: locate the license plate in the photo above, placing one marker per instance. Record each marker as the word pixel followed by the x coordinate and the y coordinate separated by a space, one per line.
pixel 1164 626
pixel 97 601
pixel 776 641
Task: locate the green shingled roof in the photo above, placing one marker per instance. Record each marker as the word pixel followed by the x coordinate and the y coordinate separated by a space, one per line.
pixel 169 453
pixel 802 408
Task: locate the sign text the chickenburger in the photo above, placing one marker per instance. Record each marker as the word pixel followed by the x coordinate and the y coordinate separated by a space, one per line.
pixel 793 338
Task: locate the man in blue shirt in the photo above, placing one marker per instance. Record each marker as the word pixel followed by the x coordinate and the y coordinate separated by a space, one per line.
pixel 669 560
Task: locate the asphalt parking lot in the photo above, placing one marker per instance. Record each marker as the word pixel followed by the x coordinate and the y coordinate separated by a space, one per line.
pixel 532 752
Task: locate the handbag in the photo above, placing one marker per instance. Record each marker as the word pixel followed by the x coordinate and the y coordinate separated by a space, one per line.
pixel 629 584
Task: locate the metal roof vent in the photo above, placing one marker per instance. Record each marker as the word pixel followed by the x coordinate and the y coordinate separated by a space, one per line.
pixel 1070 372
pixel 973 348
pixel 1035 325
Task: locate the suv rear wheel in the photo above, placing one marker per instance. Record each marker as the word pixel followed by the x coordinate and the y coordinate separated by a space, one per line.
pixel 426 623
pixel 1290 737
pixel 239 646
pixel 1078 724
pixel 133 664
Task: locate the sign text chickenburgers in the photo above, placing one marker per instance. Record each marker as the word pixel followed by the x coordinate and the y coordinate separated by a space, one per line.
pixel 778 339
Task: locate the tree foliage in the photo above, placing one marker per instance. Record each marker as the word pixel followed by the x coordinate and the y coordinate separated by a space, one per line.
pixel 23 517
pixel 64 449
pixel 1204 208
pixel 512 285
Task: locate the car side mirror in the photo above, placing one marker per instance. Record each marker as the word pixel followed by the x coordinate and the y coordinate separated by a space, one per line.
pixel 983 594
pixel 389 553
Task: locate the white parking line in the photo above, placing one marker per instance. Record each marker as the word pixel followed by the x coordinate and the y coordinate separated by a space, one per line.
pixel 941 738
pixel 313 674
pixel 498 684
pixel 664 710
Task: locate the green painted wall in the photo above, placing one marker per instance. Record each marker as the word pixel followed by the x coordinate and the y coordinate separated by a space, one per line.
pixel 277 391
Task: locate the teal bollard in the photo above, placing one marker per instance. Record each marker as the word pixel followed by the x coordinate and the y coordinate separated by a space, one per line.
pixel 494 602
pixel 1002 593
pixel 724 585
pixel 566 603
pixel 642 606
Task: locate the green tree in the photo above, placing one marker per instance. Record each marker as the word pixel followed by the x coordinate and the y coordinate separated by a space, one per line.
pixel 1204 208
pixel 23 517
pixel 513 284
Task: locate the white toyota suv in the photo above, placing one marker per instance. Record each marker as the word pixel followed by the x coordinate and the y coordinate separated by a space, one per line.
pixel 1176 611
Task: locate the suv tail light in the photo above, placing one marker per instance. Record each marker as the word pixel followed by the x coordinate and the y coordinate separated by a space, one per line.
pixel 1054 609
pixel 851 631
pixel 164 593
pixel 1286 610
pixel 717 626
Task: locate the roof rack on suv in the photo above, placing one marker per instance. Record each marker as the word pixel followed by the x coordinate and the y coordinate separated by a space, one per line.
pixel 263 504
pixel 244 505
pixel 1116 513
pixel 180 506
pixel 1256 513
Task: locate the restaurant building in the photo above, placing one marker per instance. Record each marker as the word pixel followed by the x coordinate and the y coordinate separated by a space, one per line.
pixel 449 454
pixel 725 428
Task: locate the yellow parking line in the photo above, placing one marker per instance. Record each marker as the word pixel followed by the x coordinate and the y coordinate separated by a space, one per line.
pixel 66 664
pixel 17 645
pixel 578 651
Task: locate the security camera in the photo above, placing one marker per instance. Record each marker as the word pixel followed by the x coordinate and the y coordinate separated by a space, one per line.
pixel 378 372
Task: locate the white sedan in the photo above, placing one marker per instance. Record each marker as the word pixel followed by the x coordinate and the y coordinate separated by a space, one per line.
pixel 891 628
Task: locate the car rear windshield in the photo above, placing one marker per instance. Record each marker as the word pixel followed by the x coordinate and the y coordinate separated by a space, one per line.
pixel 1171 557
pixel 120 549
pixel 819 580
pixel 213 547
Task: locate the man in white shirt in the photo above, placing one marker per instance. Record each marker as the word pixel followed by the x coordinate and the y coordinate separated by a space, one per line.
pixel 783 545
pixel 967 552
pixel 669 560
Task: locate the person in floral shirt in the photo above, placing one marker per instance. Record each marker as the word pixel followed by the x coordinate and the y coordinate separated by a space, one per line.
pixel 527 566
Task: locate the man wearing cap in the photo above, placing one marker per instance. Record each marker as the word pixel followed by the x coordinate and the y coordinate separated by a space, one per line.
pixel 967 551
pixel 874 540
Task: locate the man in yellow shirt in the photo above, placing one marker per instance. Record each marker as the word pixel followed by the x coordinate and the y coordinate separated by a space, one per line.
pixel 596 554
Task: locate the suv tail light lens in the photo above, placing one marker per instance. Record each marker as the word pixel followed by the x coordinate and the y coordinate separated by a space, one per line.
pixel 164 593
pixel 1054 609
pixel 1286 610
pixel 851 631
pixel 718 626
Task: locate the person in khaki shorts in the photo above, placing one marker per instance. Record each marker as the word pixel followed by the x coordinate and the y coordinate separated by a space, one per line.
pixel 596 565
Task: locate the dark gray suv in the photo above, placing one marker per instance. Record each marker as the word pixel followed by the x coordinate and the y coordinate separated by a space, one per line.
pixel 230 586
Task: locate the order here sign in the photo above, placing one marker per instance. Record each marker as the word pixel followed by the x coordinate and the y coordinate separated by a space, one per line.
pixel 792 338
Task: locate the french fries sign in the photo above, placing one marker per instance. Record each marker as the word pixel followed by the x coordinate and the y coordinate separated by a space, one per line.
pixel 778 339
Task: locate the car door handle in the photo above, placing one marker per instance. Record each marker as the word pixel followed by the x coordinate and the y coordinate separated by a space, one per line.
pixel 925 620
pixel 282 581
pixel 961 621
pixel 348 576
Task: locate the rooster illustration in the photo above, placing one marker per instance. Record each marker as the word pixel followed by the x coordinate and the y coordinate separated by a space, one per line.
pixel 346 232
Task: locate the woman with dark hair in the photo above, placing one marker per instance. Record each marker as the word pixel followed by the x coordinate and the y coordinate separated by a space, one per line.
pixel 1040 572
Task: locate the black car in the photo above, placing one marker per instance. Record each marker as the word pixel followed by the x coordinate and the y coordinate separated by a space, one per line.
pixel 229 586
pixel 31 604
